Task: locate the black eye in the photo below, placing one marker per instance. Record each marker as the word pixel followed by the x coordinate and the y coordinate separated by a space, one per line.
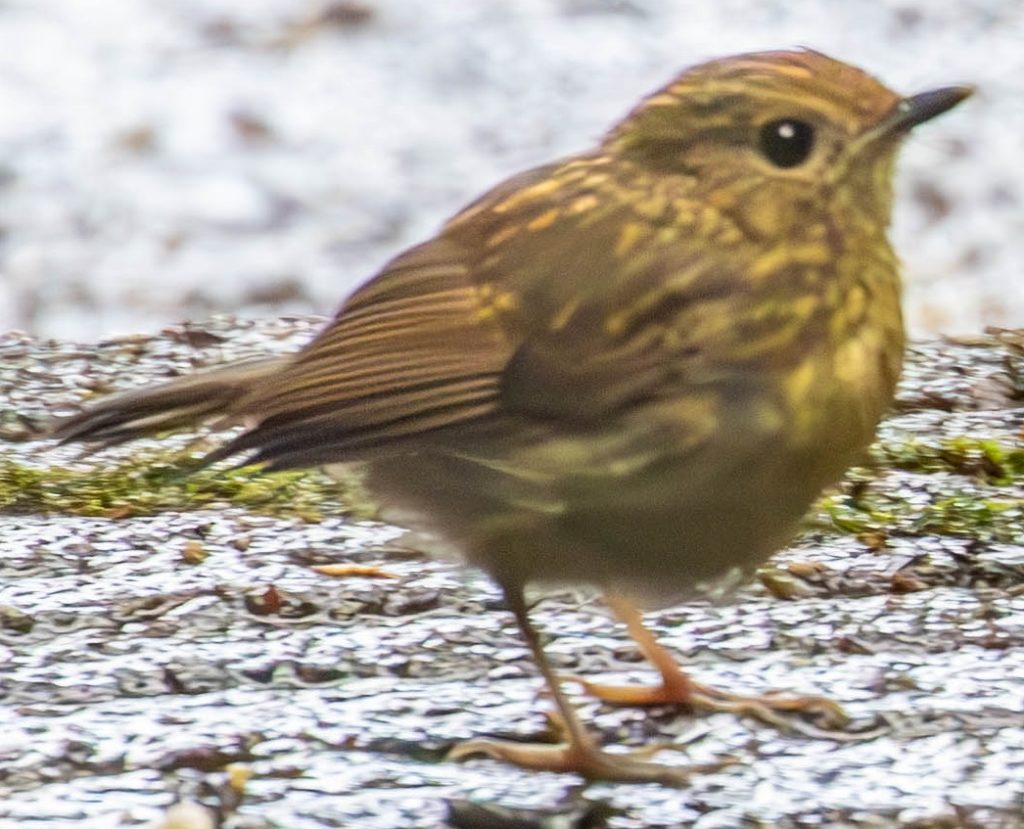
pixel 786 142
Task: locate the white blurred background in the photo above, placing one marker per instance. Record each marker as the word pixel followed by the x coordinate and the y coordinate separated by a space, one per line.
pixel 162 161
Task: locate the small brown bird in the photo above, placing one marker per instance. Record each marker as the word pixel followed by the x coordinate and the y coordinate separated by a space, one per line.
pixel 633 368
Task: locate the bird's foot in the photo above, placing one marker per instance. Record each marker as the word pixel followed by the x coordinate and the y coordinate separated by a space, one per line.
pixel 588 761
pixel 825 715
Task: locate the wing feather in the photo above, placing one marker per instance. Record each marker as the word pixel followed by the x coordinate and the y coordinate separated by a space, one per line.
pixel 411 353
pixel 509 318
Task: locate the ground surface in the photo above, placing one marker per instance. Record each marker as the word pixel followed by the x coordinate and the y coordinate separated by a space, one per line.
pixel 150 654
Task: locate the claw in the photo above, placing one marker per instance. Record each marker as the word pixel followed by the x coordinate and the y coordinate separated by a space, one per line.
pixel 677 688
pixel 588 761
pixel 767 708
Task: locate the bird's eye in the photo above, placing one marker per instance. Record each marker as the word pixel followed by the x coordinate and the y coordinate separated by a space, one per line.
pixel 786 142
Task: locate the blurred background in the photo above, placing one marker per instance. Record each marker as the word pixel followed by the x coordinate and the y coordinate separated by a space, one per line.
pixel 164 161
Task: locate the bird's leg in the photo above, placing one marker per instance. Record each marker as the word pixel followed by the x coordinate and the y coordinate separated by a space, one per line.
pixel 677 688
pixel 580 753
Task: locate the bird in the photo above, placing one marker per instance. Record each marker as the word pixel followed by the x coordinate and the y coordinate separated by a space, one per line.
pixel 633 368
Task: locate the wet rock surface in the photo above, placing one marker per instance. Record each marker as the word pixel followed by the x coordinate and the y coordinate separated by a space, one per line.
pixel 152 655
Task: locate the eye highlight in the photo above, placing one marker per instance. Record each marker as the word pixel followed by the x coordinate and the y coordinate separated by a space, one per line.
pixel 786 142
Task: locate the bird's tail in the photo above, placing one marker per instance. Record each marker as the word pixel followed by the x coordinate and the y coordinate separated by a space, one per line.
pixel 179 404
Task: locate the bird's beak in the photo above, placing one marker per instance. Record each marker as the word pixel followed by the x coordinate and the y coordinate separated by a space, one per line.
pixel 917 109
pixel 907 114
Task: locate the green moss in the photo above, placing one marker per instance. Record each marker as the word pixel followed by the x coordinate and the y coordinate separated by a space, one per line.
pixel 839 512
pixel 155 482
pixel 985 458
pixel 971 488
pixel 995 519
pixel 967 514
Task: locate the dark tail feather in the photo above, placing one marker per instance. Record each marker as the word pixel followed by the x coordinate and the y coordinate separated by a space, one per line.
pixel 175 405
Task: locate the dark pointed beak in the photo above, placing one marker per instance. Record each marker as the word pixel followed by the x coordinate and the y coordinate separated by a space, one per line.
pixel 920 108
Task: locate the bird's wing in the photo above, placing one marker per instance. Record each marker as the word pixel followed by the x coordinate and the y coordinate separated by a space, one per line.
pixel 416 350
pixel 527 309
